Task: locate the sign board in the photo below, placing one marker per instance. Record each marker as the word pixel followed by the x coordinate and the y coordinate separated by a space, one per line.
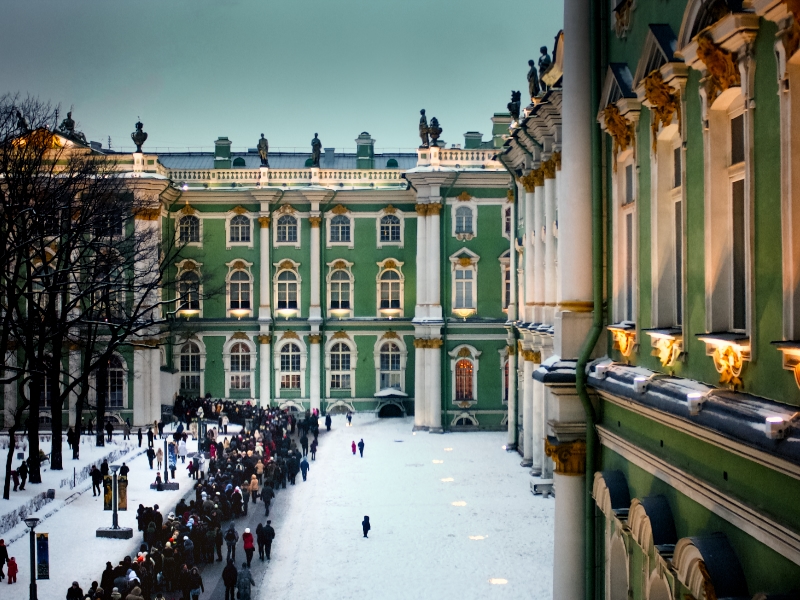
pixel 42 556
pixel 107 493
pixel 122 493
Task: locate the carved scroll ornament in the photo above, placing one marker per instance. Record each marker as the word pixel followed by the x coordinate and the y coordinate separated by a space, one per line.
pixel 664 103
pixel 728 362
pixel 723 73
pixel 620 130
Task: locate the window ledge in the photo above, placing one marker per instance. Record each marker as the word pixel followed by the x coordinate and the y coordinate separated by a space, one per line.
pixel 790 350
pixel 624 334
pixel 464 236
pixel 667 344
pixel 730 350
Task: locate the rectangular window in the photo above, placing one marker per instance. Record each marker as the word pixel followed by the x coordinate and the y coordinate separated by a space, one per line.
pixel 678 263
pixel 629 266
pixel 676 167
pixel 464 288
pixel 290 382
pixel 737 140
pixel 390 380
pixel 739 284
pixel 115 385
pixel 190 382
pixel 506 287
pixel 240 382
pixel 340 381
pixel 629 195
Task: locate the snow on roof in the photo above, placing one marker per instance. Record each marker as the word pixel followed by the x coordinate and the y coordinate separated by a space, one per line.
pixel 283 160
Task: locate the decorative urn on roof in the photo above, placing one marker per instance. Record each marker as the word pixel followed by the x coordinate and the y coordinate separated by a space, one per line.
pixel 435 131
pixel 139 137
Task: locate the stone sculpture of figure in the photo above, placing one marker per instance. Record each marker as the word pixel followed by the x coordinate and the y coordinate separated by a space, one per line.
pixel 316 151
pixel 514 105
pixel 67 126
pixel 435 131
pixel 139 136
pixel 423 129
pixel 22 124
pixel 544 61
pixel 533 80
pixel 263 150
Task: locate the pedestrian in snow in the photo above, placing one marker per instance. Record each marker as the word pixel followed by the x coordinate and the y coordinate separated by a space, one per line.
pixel 104 467
pixel 328 422
pixel 126 430
pixel 188 551
pixel 151 455
pixel 139 435
pixel 361 447
pixel 124 470
pixel 313 448
pixel 229 575
pixel 182 450
pixel 353 447
pixel 244 581
pixel 161 430
pixel 109 430
pixel 269 534
pixel 75 592
pixel 22 471
pixel 15 477
pixel 304 443
pixel 12 570
pixel 195 584
pixel 115 595
pixel 150 437
pixel 249 545
pixel 231 537
pixel 304 467
pixel 3 557
pixel 267 494
pixel 159 458
pixel 365 525
pixel 97 479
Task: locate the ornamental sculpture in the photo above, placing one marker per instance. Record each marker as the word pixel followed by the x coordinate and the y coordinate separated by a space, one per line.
pixel 533 80
pixel 544 64
pixel 667 350
pixel 263 150
pixel 791 37
pixel 569 457
pixel 664 103
pixel 434 131
pixel 620 129
pixel 67 129
pixel 729 363
pixel 622 17
pixel 721 66
pixel 139 137
pixel 514 105
pixel 316 151
pixel 423 129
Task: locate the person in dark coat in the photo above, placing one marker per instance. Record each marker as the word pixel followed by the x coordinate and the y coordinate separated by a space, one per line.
pixel 75 592
pixel 104 467
pixel 109 430
pixel 269 534
pixel 22 471
pixel 328 422
pixel 4 557
pixel 107 578
pixel 244 581
pixel 229 576
pixel 97 480
pixel 195 584
pixel 150 437
pixel 361 447
pixel 124 470
pixel 304 443
pixel 139 435
pixel 151 456
pixel 267 494
pixel 365 525
pixel 304 467
pixel 314 450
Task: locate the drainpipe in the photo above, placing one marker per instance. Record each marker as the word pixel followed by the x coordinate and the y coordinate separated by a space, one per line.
pixel 443 296
pixel 598 172
pixel 323 301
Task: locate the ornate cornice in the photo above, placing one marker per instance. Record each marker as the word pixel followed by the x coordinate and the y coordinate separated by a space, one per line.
pixel 721 64
pixel 264 339
pixel 620 130
pixel 570 457
pixel 263 221
pixel 315 221
pixel 664 104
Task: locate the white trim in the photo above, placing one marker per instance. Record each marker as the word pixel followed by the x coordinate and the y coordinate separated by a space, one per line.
pixel 397 213
pixel 473 207
pixel 353 347
pixel 762 528
pixel 328 280
pixel 278 270
pixel 277 347
pixel 473 266
pixel 329 216
pixel 506 208
pixel 376 351
pixel 276 216
pixel 621 211
pixel 381 269
pixel 226 363
pixel 228 217
pixel 177 354
pixel 182 270
pixel 177 218
pixel 231 271
pixel 474 354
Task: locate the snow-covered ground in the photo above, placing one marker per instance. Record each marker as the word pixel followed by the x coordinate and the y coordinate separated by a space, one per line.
pixel 452 518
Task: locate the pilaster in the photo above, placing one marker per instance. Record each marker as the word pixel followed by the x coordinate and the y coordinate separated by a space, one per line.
pixel 264 370
pixel 314 370
pixel 265 280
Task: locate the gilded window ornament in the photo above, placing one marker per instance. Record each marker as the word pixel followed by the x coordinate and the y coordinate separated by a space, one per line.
pixel 286 209
pixel 620 129
pixel 390 335
pixel 664 103
pixel 464 353
pixel 339 210
pixel 728 362
pixel 290 335
pixel 791 37
pixel 464 261
pixel 390 210
pixel 286 264
pixel 239 210
pixel 240 335
pixel 622 17
pixel 340 335
pixel 667 350
pixel 723 73
pixel 464 197
pixel 390 264
pixel 339 264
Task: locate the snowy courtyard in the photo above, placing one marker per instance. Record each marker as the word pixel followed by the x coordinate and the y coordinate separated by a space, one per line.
pixel 452 518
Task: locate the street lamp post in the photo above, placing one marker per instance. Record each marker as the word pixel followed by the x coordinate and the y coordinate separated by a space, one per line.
pixel 115 517
pixel 32 522
pixel 115 531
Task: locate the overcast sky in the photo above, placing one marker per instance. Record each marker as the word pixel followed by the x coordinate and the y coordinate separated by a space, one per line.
pixel 193 70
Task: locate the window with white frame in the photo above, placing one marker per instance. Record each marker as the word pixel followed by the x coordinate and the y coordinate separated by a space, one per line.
pixel 506 286
pixel 340 290
pixel 625 238
pixel 464 380
pixel 390 229
pixel 239 229
pixel 110 383
pixel 738 219
pixel 390 286
pixel 464 373
pixel 465 281
pixel 240 291
pixel 240 367
pixel 189 291
pixel 339 232
pixel 340 372
pixel 190 367
pixel 290 367
pixel 507 213
pixel 287 291
pixel 463 219
pixel 286 230
pixel 390 367
pixel 189 229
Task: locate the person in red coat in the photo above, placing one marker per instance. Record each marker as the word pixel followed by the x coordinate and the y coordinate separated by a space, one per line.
pixel 12 570
pixel 353 447
pixel 249 546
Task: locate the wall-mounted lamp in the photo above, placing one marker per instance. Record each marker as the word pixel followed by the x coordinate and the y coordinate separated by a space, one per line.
pixel 695 401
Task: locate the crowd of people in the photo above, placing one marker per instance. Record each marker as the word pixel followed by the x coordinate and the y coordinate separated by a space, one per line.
pixel 243 469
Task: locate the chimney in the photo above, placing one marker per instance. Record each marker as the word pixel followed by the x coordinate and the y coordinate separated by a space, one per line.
pixel 222 153
pixel 328 158
pixel 365 151
pixel 472 140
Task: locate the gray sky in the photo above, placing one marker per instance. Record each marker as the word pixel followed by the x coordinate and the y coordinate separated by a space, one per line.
pixel 194 70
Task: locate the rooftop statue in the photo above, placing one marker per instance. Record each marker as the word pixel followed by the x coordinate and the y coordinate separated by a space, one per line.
pixel 533 80
pixel 67 128
pixel 514 105
pixel 139 137
pixel 435 131
pixel 22 124
pixel 423 129
pixel 544 63
pixel 316 151
pixel 263 150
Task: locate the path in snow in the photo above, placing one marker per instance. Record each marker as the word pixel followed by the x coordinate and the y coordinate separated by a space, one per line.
pixel 421 544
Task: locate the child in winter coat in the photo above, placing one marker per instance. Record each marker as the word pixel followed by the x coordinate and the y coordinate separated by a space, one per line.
pixel 12 570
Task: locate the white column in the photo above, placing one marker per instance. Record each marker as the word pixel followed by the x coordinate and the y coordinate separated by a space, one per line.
pixel 155 384
pixel 433 375
pixel 264 375
pixel 527 409
pixel 315 312
pixel 141 381
pixel 512 392
pixel 421 309
pixel 575 205
pixel 512 267
pixel 530 238
pixel 569 538
pixel 538 255
pixel 549 246
pixel 434 266
pixel 264 312
pixel 519 262
pixel 537 425
pixel 420 406
pixel 314 360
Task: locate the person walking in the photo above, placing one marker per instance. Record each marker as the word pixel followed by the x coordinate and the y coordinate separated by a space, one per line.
pixel 269 534
pixel 182 450
pixel 22 471
pixel 261 540
pixel 109 431
pixel 159 457
pixel 126 431
pixel 304 443
pixel 231 537
pixel 349 419
pixel 12 570
pixel 365 526
pixel 267 494
pixel 229 576
pixel 313 448
pixel 124 470
pixel 4 557
pixel 249 545
pixel 244 581
pixel 353 447
pixel 254 488
pixel 304 467
pixel 150 437
pixel 195 584
pixel 361 447
pixel 97 479
pixel 151 455
pixel 328 422
pixel 139 436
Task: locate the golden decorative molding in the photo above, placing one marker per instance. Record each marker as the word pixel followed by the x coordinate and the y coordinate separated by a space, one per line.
pixel 314 338
pixel 189 265
pixel 435 343
pixel 620 130
pixel 264 339
pixel 240 335
pixel 433 209
pixel 667 350
pixel 425 343
pixel 263 221
pixel 286 209
pixel 340 335
pixel 464 261
pixel 464 197
pixel 664 103
pixel 339 210
pixel 511 350
pixel 549 169
pixel 534 179
pixel 575 305
pixel 791 37
pixel 188 209
pixel 510 196
pixel 390 335
pixel 286 264
pixel 519 347
pixel 728 361
pixel 390 264
pixel 720 63
pixel 146 343
pixel 419 343
pixel 624 340
pixel 421 209
pixel 148 214
pixel 464 353
pixel 570 457
pixel 239 264
pixel 390 210
pixel 240 210
pixel 622 17
pixel 557 159
pixel 290 335
pixel 315 221
pixel 339 264
pixel 531 356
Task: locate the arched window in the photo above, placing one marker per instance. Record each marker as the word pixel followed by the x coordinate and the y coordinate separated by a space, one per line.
pixel 340 290
pixel 390 366
pixel 287 290
pixel 239 162
pixel 190 367
pixel 240 366
pixel 287 229
pixel 463 219
pixel 340 229
pixel 189 229
pixel 464 375
pixel 390 289
pixel 340 367
pixel 390 229
pixel 290 367
pixel 391 163
pixel 240 290
pixel 240 229
pixel 110 383
pixel 189 291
